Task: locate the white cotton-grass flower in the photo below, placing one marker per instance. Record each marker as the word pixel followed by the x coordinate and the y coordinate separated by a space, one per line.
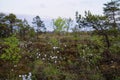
pixel 20 75
pixel 65 45
pixel 58 51
pixel 43 58
pixel 54 48
pixel 45 55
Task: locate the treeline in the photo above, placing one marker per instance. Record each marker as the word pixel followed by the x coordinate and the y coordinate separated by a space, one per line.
pixel 11 25
pixel 102 24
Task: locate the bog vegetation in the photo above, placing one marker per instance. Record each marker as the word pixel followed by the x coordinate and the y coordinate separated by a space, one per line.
pixel 35 54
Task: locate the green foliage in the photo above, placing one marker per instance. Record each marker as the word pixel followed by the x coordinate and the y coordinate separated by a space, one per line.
pixel 54 42
pixel 69 23
pixel 45 71
pixel 117 78
pixel 91 52
pixel 12 21
pixel 11 17
pixel 25 30
pixel 50 71
pixel 111 10
pixel 115 48
pixel 4 30
pixel 98 41
pixel 98 23
pixel 115 41
pixel 7 22
pixel 69 76
pixel 60 24
pixel 38 23
pixel 38 64
pixel 11 53
pixel 96 76
pixel 31 32
pixel 89 55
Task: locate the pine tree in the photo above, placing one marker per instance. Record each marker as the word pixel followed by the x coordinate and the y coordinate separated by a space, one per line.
pixel 39 24
pixel 112 11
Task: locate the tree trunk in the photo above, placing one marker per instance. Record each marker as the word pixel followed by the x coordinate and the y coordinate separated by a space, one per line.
pixel 107 40
pixel 11 28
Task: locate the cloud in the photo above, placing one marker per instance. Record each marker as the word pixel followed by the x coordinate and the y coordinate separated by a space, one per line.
pixel 51 8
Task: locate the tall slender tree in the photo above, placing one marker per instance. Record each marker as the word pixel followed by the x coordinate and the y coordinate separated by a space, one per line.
pixel 4 29
pixel 12 21
pixel 59 25
pixel 11 18
pixel 97 22
pixel 69 22
pixel 23 28
pixel 112 11
pixel 39 24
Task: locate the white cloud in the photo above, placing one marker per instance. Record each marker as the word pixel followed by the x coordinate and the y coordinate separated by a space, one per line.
pixel 51 8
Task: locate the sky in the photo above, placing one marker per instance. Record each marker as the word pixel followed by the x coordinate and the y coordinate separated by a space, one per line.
pixel 52 8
